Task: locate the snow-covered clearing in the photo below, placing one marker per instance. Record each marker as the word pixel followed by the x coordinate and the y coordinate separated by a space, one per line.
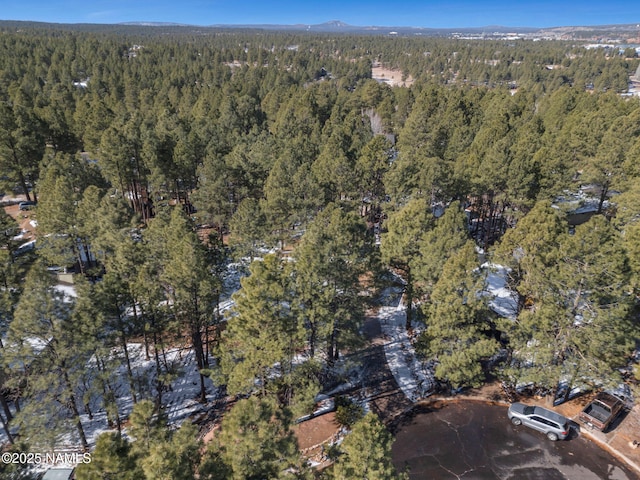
pixel 68 292
pixel 392 77
pixel 585 200
pixel 502 299
pixel 414 376
pixel 180 400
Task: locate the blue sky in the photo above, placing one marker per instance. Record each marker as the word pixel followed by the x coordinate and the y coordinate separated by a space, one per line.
pixel 426 13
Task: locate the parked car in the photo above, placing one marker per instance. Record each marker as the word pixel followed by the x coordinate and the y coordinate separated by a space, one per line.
pixel 601 411
pixel 26 205
pixel 552 424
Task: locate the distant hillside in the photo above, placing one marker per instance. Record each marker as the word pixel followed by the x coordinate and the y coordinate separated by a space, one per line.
pixel 336 26
pixel 621 32
pixel 156 24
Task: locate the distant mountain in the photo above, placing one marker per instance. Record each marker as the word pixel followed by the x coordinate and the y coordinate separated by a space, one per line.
pixel 332 26
pixel 155 24
pixel 337 26
pixel 622 31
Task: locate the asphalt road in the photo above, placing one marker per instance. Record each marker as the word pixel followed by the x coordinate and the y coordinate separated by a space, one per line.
pixel 471 440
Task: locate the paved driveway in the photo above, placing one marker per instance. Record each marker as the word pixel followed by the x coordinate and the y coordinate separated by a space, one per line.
pixel 472 440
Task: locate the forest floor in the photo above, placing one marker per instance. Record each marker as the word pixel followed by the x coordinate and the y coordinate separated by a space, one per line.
pixel 391 77
pixel 23 217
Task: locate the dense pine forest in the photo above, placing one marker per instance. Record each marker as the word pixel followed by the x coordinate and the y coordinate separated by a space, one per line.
pixel 161 159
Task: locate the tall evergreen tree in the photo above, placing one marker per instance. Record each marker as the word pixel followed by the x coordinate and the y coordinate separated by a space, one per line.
pixel 400 245
pixel 189 285
pixel 42 345
pixel 366 452
pixel 255 442
pixel 458 330
pixel 448 235
pixel 147 426
pixel 111 459
pixel 248 228
pixel 530 250
pixel 11 288
pixel 22 144
pixel 576 301
pixel 371 166
pixel 262 331
pixel 330 260
pixel 174 459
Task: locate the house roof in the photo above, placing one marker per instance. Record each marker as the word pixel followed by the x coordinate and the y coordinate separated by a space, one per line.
pixel 58 474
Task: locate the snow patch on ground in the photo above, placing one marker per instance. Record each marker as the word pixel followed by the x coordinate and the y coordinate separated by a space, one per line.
pixel 582 201
pixel 231 278
pixel 502 299
pixel 25 247
pixel 414 376
pixel 68 292
pixel 180 400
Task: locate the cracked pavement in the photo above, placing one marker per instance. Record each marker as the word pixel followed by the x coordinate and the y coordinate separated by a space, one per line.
pixel 472 440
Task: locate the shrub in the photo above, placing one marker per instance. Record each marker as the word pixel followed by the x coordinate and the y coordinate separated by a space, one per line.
pixel 347 411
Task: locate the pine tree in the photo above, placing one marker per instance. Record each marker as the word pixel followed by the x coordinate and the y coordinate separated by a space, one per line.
pixel 292 194
pixel 575 321
pixel 591 284
pixel 11 287
pixel 366 452
pixel 42 346
pixel 458 331
pixel 174 459
pixel 189 285
pixel 111 459
pixel 10 270
pixel 605 168
pixel 334 158
pixel 22 143
pixel 93 329
pixel 215 197
pixel 57 219
pixel 330 260
pixel 255 442
pixel 448 235
pixel 262 332
pixel 530 250
pixel 147 426
pixel 400 244
pixel 371 167
pixel 107 223
pixel 627 221
pixel 68 191
pixel 17 471
pixel 248 229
